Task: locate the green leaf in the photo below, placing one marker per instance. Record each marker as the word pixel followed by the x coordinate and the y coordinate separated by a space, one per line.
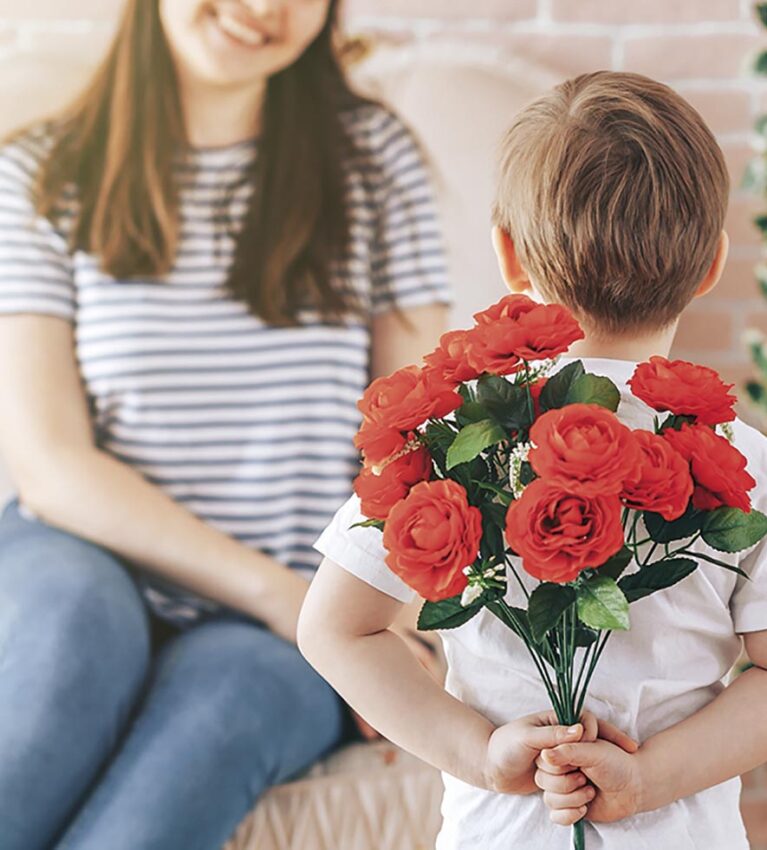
pixel 447 614
pixel 663 531
pixel 594 389
pixel 473 439
pixel 369 523
pixel 733 530
pixel 761 11
pixel 657 576
pixel 515 618
pixel 584 636
pixel 546 605
pixel 614 567
pixel 439 436
pixel 558 386
pixel 504 401
pixel 504 495
pixel 526 474
pixel 602 605
pixel 470 411
pixel 493 522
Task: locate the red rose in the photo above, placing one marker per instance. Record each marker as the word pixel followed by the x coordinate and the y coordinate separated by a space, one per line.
pixel 558 534
pixel 546 332
pixel 407 398
pixel 585 449
pixel 509 307
pixel 379 493
pixel 448 360
pixel 718 469
pixel 684 389
pixel 664 484
pixel 378 442
pixel 535 332
pixel 431 536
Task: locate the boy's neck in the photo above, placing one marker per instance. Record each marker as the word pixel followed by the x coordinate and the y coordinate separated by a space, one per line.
pixel 634 349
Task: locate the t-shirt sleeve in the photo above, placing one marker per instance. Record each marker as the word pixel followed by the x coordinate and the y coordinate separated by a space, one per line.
pixel 409 268
pixel 360 551
pixel 35 264
pixel 748 603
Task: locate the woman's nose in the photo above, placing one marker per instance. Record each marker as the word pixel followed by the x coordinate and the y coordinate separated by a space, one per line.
pixel 264 8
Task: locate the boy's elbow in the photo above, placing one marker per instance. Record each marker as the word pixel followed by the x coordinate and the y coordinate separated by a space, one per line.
pixel 311 637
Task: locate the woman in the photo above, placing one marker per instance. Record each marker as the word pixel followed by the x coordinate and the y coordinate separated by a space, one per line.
pixel 202 263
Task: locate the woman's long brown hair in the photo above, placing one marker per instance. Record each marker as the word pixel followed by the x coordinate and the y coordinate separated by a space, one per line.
pixel 117 145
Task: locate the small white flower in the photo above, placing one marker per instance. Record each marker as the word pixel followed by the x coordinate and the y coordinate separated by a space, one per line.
pixel 728 431
pixel 517 457
pixel 470 595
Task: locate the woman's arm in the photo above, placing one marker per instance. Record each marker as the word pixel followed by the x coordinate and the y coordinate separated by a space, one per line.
pixel 47 444
pixel 397 343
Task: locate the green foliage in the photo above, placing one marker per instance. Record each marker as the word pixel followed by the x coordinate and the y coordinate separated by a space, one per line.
pixel 602 605
pixel 614 567
pixel 505 401
pixel 594 389
pixel 733 530
pixel 472 440
pixel 369 523
pixel 548 602
pixel 657 576
pixel 558 386
pixel 447 614
pixel 663 531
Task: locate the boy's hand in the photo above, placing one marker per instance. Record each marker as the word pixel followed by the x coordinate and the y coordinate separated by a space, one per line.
pixel 615 790
pixel 514 747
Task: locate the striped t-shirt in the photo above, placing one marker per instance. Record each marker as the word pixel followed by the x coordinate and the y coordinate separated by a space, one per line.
pixel 249 426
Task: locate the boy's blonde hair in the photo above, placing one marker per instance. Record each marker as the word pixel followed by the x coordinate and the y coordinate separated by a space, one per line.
pixel 614 192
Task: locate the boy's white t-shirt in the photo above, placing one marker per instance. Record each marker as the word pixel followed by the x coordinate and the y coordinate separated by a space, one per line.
pixel 682 644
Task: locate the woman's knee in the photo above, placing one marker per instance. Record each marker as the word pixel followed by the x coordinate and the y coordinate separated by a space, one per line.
pixel 64 600
pixel 256 700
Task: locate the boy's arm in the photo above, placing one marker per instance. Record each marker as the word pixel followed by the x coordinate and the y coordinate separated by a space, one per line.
pixel 726 738
pixel 344 633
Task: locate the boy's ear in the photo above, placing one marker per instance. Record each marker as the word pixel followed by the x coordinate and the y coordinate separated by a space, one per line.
pixel 714 273
pixel 514 276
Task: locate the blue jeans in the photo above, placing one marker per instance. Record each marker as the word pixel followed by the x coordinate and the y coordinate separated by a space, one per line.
pixel 107 745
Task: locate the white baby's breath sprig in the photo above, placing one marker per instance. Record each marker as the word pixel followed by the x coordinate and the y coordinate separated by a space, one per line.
pixel 728 432
pixel 485 576
pixel 517 457
pixel 540 370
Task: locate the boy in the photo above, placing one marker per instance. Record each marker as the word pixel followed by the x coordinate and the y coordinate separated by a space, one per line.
pixel 611 200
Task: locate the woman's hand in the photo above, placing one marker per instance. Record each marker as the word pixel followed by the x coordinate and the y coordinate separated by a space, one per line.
pixel 615 788
pixel 514 748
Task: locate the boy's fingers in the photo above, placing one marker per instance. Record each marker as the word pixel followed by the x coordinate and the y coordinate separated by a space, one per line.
pixel 540 737
pixel 609 732
pixel 575 800
pixel 560 784
pixel 551 769
pixel 567 817
pixel 590 726
pixel 578 755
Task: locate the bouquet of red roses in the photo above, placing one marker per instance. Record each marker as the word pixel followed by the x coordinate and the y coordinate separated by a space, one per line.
pixel 485 459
